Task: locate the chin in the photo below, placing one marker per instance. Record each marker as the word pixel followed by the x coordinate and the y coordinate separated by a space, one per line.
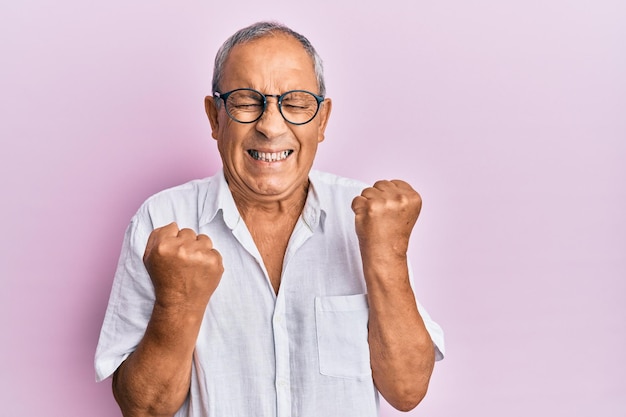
pixel 275 188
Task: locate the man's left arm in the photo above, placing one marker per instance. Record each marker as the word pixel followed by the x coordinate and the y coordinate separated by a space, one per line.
pixel 402 354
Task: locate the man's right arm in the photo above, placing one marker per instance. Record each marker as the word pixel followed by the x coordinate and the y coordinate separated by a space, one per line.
pixel 185 269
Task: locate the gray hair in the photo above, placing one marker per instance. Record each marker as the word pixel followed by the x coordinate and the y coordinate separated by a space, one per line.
pixel 259 30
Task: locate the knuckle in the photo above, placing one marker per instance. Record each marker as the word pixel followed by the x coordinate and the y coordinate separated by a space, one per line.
pixel 367 191
pixel 403 199
pixel 161 248
pixel 376 206
pixel 213 257
pixel 216 265
pixel 187 233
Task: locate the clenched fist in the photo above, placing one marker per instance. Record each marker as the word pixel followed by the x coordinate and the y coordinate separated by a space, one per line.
pixel 184 267
pixel 384 218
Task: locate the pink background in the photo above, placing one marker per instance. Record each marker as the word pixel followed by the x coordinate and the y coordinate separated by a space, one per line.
pixel 508 117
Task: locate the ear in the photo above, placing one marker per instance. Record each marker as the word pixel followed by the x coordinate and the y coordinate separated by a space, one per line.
pixel 211 111
pixel 324 115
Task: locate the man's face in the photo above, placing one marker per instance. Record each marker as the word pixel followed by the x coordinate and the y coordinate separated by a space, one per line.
pixel 273 64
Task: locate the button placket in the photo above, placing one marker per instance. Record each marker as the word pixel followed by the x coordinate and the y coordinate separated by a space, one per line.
pixel 281 349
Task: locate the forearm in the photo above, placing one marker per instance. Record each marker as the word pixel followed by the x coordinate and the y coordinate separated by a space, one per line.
pixel 154 380
pixel 401 350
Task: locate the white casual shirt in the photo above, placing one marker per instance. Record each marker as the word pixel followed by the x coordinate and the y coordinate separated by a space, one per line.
pixel 300 353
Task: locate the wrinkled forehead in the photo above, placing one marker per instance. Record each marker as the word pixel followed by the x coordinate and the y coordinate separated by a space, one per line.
pixel 273 59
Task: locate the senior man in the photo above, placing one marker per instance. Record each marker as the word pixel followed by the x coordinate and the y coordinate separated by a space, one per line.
pixel 268 289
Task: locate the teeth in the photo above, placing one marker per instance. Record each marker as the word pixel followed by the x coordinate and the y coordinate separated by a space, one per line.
pixel 269 156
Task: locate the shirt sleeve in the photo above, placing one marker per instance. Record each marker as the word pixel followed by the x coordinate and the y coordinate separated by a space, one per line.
pixel 130 303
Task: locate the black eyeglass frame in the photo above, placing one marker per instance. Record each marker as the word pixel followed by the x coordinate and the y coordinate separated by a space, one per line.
pixel 224 97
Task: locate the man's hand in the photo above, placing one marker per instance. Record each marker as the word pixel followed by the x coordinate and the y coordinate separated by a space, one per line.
pixel 184 267
pixel 401 351
pixel 385 216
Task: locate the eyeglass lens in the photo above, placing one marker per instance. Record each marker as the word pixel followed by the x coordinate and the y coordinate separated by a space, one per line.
pixel 297 107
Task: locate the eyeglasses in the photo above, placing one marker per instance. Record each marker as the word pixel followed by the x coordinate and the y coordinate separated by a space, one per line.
pixel 245 105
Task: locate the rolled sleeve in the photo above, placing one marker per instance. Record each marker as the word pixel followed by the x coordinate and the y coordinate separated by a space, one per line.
pixel 130 303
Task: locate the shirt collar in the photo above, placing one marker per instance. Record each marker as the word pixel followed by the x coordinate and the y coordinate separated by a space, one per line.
pixel 219 198
pixel 317 203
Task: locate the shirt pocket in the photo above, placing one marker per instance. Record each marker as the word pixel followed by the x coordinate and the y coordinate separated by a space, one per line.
pixel 341 325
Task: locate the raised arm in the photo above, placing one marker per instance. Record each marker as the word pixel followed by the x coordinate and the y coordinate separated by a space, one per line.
pixel 401 351
pixel 185 269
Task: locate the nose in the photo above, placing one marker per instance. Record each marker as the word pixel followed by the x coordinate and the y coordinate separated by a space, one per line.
pixel 271 124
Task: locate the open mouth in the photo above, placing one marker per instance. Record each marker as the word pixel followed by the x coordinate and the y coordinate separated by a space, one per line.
pixel 269 156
